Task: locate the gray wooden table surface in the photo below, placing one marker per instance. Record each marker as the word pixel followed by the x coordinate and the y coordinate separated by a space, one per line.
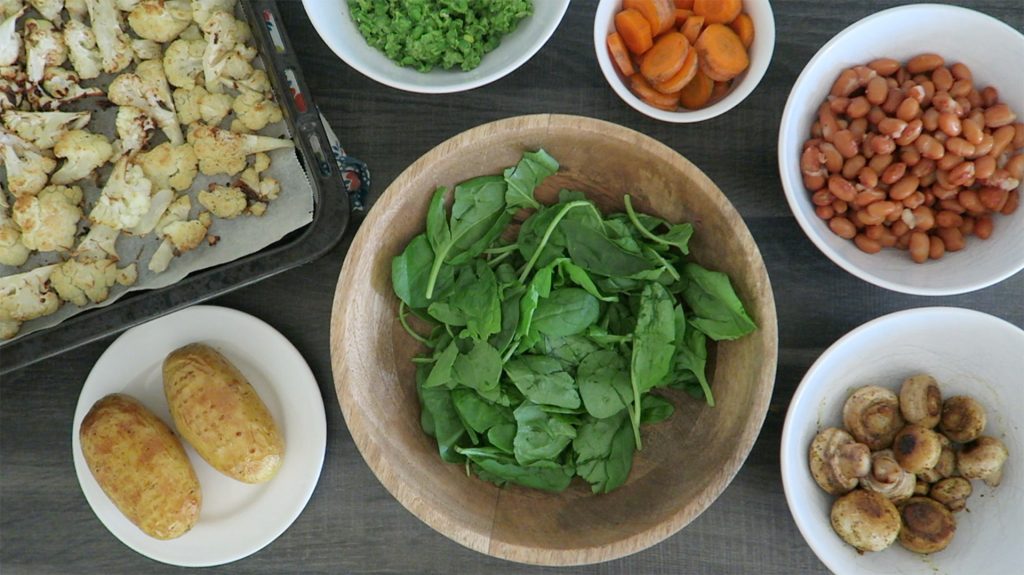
pixel 352 525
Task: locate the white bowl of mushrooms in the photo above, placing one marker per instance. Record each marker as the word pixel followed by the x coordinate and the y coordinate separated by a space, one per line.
pixel 901 451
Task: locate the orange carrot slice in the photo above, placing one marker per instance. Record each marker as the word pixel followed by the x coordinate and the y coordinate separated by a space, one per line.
pixel 681 15
pixel 660 13
pixel 620 54
pixel 665 58
pixel 718 91
pixel 722 55
pixel 634 30
pixel 653 97
pixel 691 28
pixel 718 11
pixel 682 77
pixel 744 28
pixel 697 92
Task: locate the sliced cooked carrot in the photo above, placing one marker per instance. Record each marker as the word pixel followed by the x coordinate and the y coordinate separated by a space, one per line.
pixel 684 4
pixel 653 97
pixel 722 55
pixel 697 92
pixel 620 54
pixel 682 77
pixel 660 13
pixel 634 30
pixel 744 28
pixel 718 91
pixel 681 15
pixel 691 28
pixel 718 11
pixel 665 58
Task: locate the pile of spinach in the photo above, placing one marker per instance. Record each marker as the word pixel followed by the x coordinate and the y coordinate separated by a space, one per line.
pixel 544 350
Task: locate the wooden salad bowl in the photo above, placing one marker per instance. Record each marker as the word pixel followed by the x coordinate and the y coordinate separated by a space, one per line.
pixel 687 461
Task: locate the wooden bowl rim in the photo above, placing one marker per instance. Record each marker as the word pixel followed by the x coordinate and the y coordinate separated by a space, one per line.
pixel 366 436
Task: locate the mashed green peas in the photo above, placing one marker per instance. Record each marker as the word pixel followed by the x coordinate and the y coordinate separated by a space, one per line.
pixel 428 34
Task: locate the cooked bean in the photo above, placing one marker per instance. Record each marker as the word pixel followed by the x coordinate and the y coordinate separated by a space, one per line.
pixel 918 247
pixel 859 127
pixel 924 218
pixel 877 90
pixel 1001 139
pixel 1015 167
pixel 917 92
pixel 923 168
pixel 984 167
pixel 857 107
pixel 1012 201
pixel 942 102
pixel 838 105
pixel 999 115
pixel 948 162
pixel 866 244
pixel 822 198
pixel 1003 180
pixel 909 109
pixel 989 96
pixel 958 146
pixel 930 119
pixel 983 227
pixel 949 123
pixel 824 212
pixel 884 66
pixel 1018 136
pixel 969 200
pixel 845 84
pixel 892 127
pixel 867 177
pixel 930 147
pixel 853 166
pixel 904 187
pixel 972 131
pixel 882 209
pixel 944 194
pixel 961 72
pixel 886 238
pixel 910 156
pixel 846 143
pixel 964 106
pixel 948 219
pixel 842 227
pixel 841 188
pixel 911 133
pixel 913 200
pixel 974 97
pixel 880 162
pixel 882 144
pixel 985 147
pixel 961 174
pixel 867 197
pixel 952 238
pixel 829 124
pixel 961 88
pixel 924 63
pixel 936 249
pixel 833 160
pixel 865 218
pixel 840 206
pixel 899 227
pixel 814 182
pixel 993 198
pixel 942 78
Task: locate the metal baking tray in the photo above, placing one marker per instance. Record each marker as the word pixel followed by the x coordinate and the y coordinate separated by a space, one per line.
pixel 340 184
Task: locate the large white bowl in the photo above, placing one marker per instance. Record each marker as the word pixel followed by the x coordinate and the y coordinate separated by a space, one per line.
pixel 333 22
pixel 760 12
pixel 994 52
pixel 968 352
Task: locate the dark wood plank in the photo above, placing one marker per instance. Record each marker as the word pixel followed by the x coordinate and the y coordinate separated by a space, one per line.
pixel 352 525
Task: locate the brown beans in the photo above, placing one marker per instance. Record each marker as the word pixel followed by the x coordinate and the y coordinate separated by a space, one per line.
pixel 919 246
pixel 909 157
pixel 842 227
pixel 924 63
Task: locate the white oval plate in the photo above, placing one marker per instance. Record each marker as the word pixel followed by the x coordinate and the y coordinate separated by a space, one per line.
pixel 236 519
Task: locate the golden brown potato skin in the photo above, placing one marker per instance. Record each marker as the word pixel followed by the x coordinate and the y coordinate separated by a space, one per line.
pixel 219 413
pixel 141 466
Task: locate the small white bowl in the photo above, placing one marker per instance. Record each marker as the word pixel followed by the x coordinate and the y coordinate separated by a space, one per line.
pixel 994 52
pixel 760 12
pixel 333 22
pixel 968 352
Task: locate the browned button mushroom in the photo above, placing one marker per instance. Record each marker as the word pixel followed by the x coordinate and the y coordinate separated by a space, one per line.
pixel 946 466
pixel 952 492
pixel 888 478
pixel 921 487
pixel 837 461
pixel 866 520
pixel 921 401
pixel 927 525
pixel 872 416
pixel 983 459
pixel 917 448
pixel 963 419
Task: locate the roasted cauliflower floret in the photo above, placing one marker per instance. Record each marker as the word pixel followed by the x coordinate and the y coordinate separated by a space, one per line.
pixel 76 9
pixel 255 111
pixel 197 104
pixel 224 201
pixel 81 282
pixel 12 251
pixel 49 220
pixel 146 50
pixel 10 40
pixel 203 9
pixel 255 82
pixel 44 46
pixel 260 191
pixel 157 206
pixel 50 9
pixel 183 62
pixel 99 244
pixel 170 166
pixel 82 51
pixel 146 88
pixel 43 129
pixel 226 56
pixel 126 197
pixel 134 129
pixel 127 275
pixel 60 86
pixel 180 235
pixel 27 169
pixel 114 45
pixel 83 152
pixel 224 152
pixel 25 296
pixel 160 20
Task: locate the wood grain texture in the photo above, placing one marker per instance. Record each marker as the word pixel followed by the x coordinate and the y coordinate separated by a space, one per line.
pixel 687 461
pixel 352 524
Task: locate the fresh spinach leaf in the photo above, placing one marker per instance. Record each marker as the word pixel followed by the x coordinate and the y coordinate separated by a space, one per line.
pixel 411 270
pixel 567 311
pixel 479 414
pixel 678 235
pixel 447 426
pixel 719 312
pixel 604 452
pixel 441 373
pixel 692 356
pixel 540 435
pixel 502 435
pixel 480 369
pixel 478 216
pixel 569 350
pixel 542 381
pixel 438 232
pixel 476 299
pixel 497 467
pixel 580 277
pixel 525 176
pixel 652 347
pixel 593 251
pixel 656 409
pixel 603 377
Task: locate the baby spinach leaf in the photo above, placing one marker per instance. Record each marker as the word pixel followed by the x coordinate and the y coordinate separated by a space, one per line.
pixel 479 369
pixel 593 251
pixel 509 320
pixel 476 298
pixel 499 468
pixel 479 414
pixel 542 381
pixel 441 373
pixel 478 216
pixel 565 196
pixel 531 235
pixel 580 277
pixel 444 312
pixel 438 232
pixel 656 409
pixel 591 217
pixel 568 350
pixel 525 176
pixel 447 426
pixel 604 452
pixel 539 435
pixel 692 356
pixel 720 314
pixel 678 235
pixel 502 435
pixel 652 347
pixel 410 272
pixel 566 311
pixel 604 383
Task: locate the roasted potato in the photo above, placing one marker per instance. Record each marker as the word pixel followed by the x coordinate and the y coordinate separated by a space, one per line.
pixel 140 464
pixel 219 413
